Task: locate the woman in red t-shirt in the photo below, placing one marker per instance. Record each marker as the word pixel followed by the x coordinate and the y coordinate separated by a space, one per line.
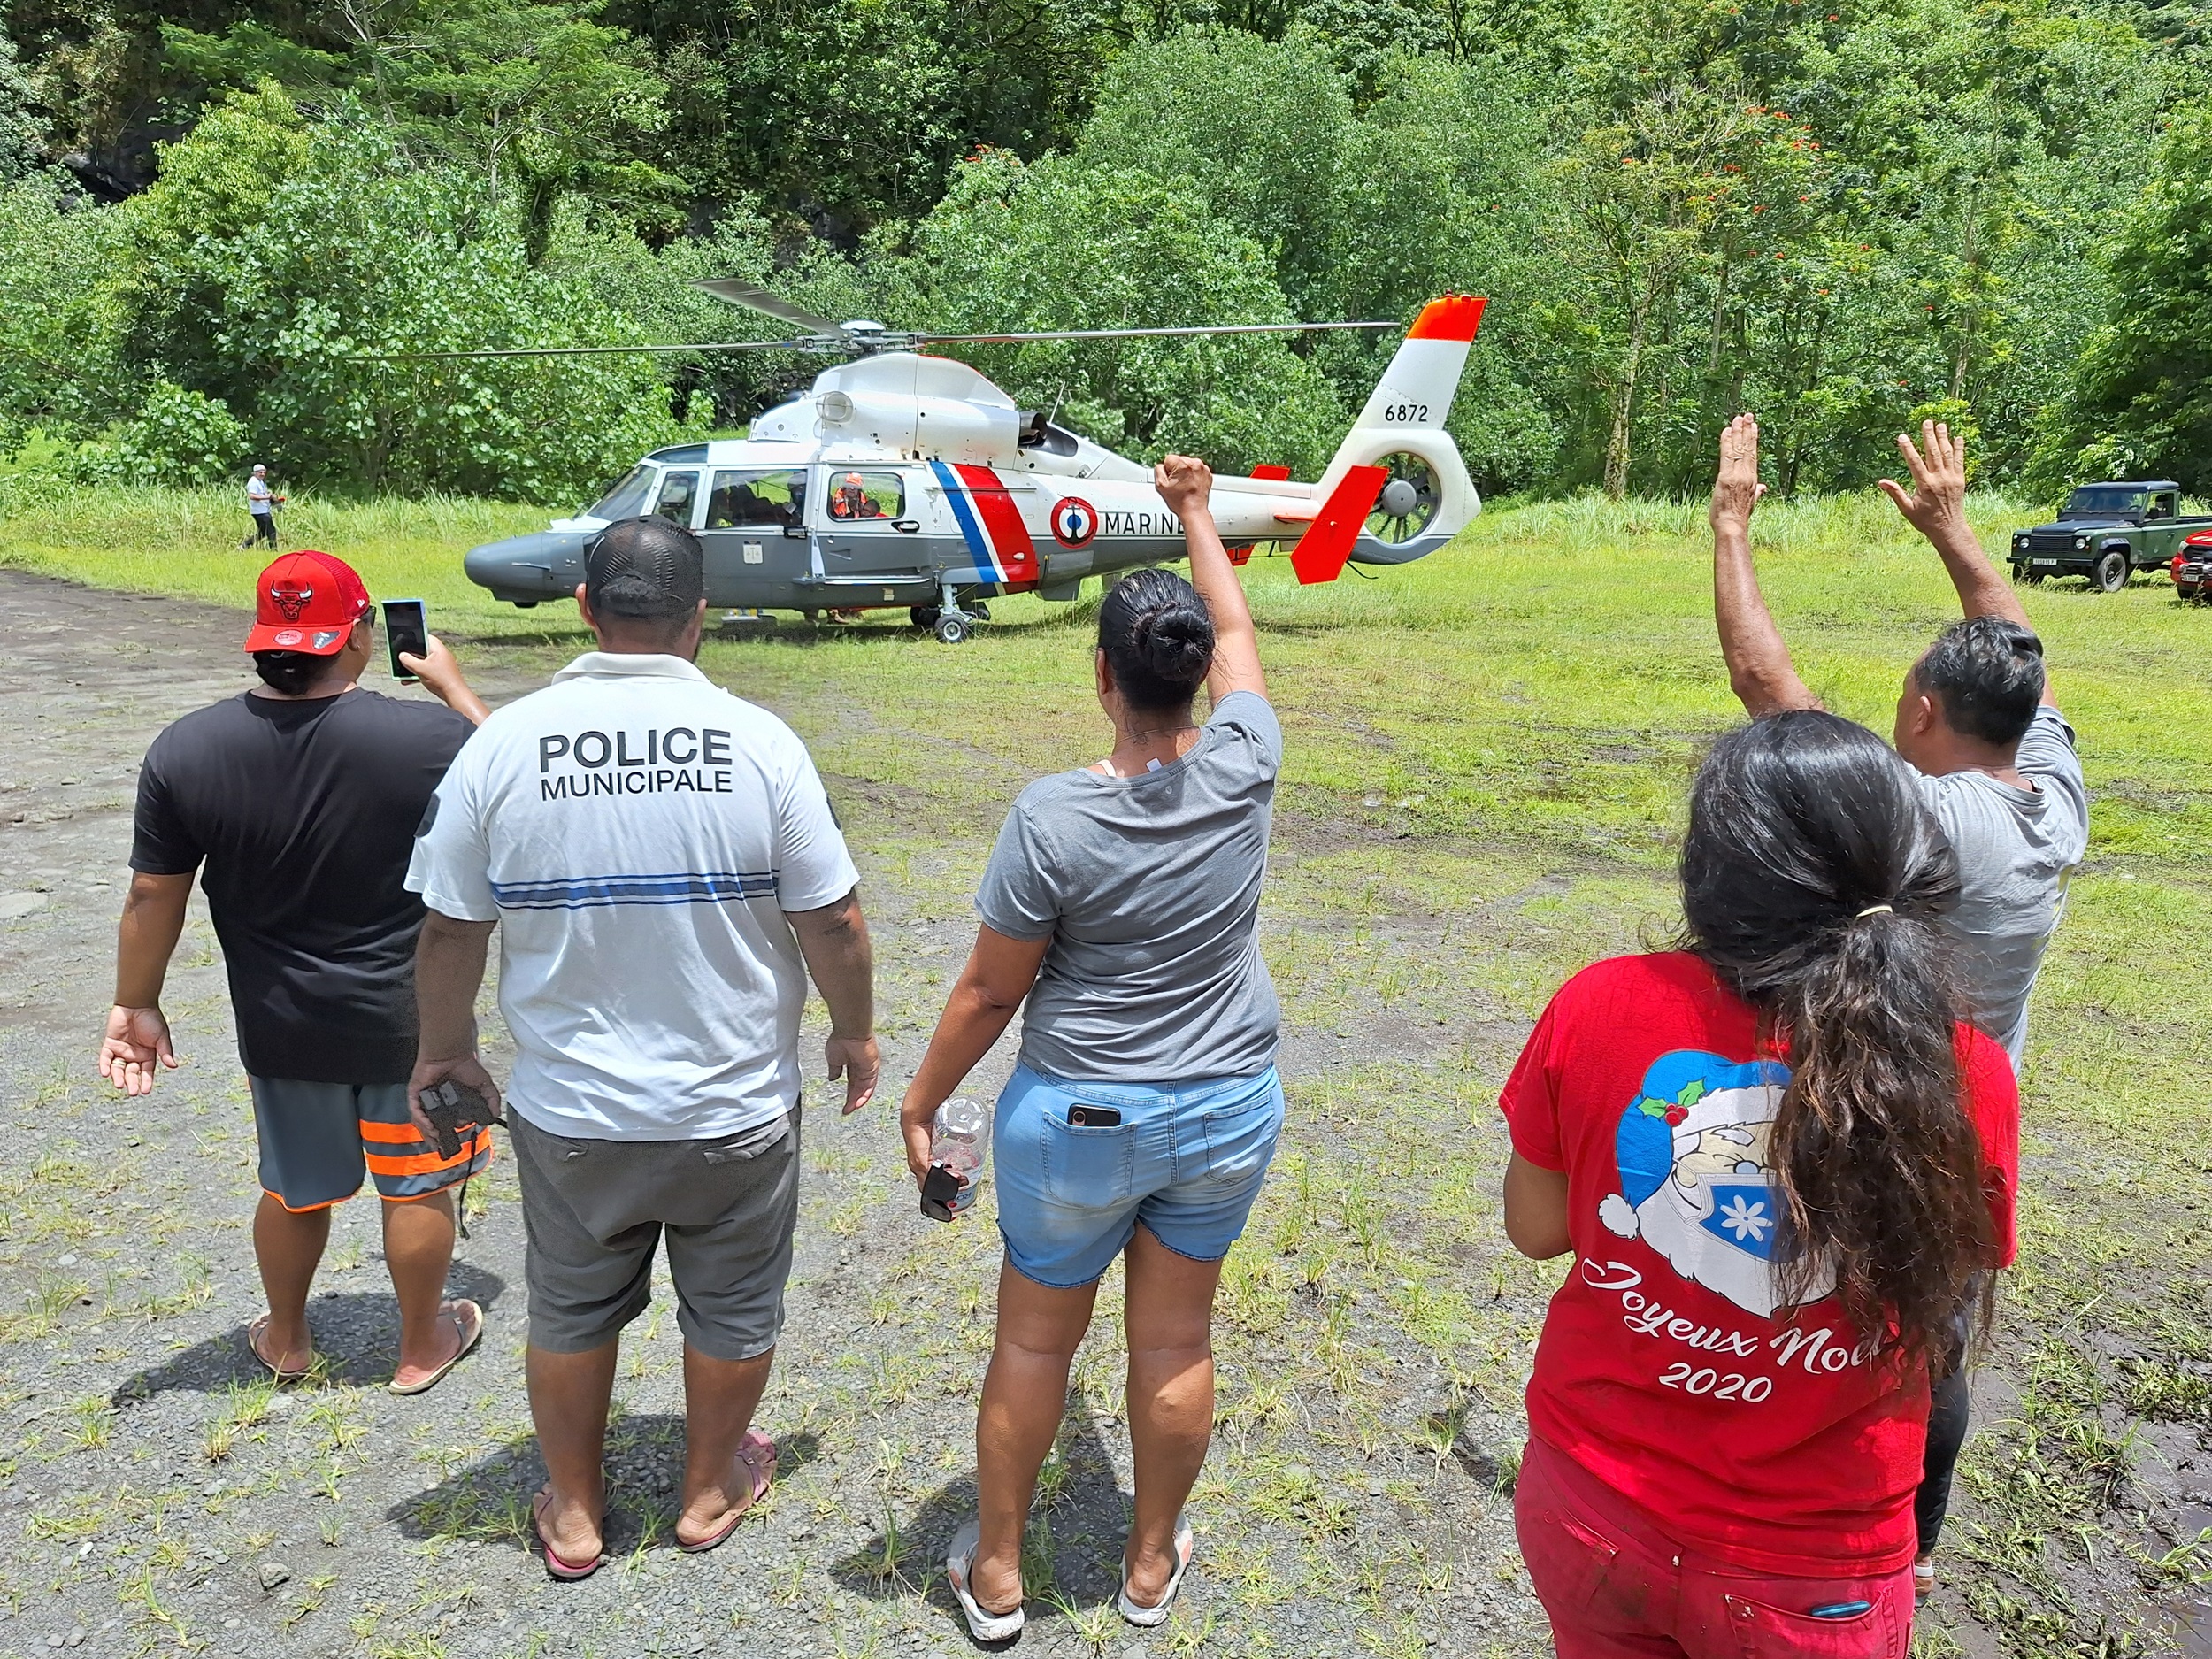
pixel 1783 1165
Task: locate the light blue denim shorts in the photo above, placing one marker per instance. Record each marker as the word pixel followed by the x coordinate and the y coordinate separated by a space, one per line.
pixel 1184 1163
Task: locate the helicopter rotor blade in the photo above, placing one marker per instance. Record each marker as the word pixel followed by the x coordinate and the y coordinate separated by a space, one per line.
pixel 737 291
pixel 835 337
pixel 803 344
pixel 1135 334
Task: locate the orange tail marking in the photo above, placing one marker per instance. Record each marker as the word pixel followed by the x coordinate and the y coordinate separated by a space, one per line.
pixel 1454 317
pixel 1322 552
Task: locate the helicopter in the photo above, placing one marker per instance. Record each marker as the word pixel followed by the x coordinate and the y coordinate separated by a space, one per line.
pixel 902 479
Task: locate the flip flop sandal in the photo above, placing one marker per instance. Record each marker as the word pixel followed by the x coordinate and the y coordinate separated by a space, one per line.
pixel 557 1566
pixel 1152 1618
pixel 253 1345
pixel 1924 1581
pixel 982 1625
pixel 758 1453
pixel 468 1320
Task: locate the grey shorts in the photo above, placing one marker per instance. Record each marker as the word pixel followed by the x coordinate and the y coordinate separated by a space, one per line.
pixel 593 1212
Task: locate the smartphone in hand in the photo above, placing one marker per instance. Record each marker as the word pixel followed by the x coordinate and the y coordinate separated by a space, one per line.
pixel 941 1193
pixel 405 629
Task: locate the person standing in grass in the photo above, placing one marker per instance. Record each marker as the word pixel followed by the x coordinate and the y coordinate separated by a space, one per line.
pixel 1785 1170
pixel 295 803
pixel 1990 757
pixel 261 505
pixel 1122 904
pixel 665 871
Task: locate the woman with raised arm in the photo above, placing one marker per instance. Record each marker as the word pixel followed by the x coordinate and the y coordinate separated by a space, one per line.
pixel 1122 902
pixel 1783 1162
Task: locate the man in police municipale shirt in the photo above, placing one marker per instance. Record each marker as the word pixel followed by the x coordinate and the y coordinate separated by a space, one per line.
pixel 665 871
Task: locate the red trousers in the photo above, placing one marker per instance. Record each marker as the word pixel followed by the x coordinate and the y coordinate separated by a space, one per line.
pixel 1617 1587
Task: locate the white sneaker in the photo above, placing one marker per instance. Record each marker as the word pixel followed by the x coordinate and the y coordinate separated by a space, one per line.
pixel 984 1626
pixel 1152 1617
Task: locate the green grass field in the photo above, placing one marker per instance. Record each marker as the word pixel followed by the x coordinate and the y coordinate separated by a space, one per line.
pixel 1487 759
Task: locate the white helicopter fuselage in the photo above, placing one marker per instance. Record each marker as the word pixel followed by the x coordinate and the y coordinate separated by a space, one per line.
pixel 906 480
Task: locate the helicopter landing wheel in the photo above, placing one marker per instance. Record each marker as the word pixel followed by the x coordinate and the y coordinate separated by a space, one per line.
pixel 952 629
pixel 923 616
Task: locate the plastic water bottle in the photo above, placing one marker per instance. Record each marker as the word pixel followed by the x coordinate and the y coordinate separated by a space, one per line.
pixel 960 1140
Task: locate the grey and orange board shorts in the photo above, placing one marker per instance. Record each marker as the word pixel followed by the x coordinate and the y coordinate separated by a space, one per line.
pixel 318 1140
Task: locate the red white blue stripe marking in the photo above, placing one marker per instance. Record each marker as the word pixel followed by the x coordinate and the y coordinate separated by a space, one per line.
pixel 990 522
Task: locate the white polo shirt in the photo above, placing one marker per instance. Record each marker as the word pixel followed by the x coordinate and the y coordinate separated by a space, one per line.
pixel 638 833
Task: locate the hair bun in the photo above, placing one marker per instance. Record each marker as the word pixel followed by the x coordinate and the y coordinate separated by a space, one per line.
pixel 1176 642
pixel 1157 638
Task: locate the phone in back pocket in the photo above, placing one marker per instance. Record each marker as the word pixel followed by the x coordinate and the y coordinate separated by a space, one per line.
pixel 1081 1117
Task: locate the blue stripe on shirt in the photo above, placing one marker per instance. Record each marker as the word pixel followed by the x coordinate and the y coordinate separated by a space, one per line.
pixel 577 893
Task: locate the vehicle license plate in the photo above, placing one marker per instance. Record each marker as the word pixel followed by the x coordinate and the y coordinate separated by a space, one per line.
pixel 2035 564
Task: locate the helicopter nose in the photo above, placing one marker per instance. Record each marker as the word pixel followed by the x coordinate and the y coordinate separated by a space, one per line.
pixel 547 565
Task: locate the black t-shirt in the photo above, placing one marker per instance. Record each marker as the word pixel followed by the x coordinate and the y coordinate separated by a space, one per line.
pixel 304 814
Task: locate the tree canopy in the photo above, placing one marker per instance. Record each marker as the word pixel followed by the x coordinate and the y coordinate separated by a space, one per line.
pixel 230 218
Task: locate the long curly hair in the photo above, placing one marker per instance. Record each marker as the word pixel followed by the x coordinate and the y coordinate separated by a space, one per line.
pixel 1813 882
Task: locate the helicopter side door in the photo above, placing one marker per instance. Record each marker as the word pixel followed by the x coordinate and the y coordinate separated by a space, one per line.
pixel 753 535
pixel 679 495
pixel 871 527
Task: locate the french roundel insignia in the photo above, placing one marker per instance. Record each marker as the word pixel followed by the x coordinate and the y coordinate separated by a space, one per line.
pixel 1074 522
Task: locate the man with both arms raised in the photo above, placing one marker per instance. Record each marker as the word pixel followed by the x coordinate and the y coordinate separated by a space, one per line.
pixel 1978 724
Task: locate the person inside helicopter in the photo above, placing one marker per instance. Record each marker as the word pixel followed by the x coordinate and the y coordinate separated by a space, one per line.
pixel 851 499
pixel 733 504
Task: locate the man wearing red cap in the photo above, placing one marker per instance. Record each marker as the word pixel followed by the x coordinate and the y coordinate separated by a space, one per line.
pixel 296 803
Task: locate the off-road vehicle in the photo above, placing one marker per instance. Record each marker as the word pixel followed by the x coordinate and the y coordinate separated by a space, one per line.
pixel 2107 532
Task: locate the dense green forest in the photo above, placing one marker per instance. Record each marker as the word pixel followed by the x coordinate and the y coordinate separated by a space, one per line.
pixel 215 214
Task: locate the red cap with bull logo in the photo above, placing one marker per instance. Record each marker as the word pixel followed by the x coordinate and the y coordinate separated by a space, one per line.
pixel 307 602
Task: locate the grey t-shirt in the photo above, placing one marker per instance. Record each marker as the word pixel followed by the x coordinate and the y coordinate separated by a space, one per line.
pixel 1150 889
pixel 2017 848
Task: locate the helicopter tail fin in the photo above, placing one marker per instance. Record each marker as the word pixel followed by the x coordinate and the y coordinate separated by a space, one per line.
pixel 1418 387
pixel 1325 547
pixel 1425 496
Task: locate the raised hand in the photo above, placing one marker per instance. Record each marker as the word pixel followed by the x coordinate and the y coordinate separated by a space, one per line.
pixel 441 675
pixel 1737 489
pixel 1938 465
pixel 1185 483
pixel 136 1043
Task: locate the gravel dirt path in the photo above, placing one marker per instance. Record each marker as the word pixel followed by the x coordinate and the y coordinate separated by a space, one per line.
pixel 156 1495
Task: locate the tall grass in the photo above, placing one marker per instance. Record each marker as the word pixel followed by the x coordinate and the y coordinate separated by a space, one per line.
pixel 1802 523
pixel 185 543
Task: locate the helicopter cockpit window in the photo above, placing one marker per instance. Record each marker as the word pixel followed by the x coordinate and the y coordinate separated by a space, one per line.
pixel 625 497
pixel 857 496
pixel 776 497
pixel 678 492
